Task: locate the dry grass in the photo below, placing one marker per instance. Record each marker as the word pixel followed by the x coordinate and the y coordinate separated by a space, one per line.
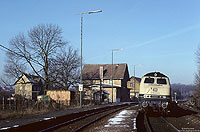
pixel 28 112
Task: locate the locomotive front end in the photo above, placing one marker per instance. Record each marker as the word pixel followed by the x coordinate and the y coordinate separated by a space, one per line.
pixel 154 92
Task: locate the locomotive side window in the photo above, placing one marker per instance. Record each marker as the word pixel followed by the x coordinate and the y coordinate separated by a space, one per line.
pixel 161 81
pixel 149 80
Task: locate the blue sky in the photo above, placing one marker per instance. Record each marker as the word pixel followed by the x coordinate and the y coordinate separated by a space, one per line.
pixel 161 35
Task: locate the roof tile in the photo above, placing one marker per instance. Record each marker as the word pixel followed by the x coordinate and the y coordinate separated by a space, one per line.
pixel 91 71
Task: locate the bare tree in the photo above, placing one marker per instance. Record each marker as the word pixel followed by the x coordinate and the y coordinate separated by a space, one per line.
pixel 37 49
pixel 65 68
pixel 13 69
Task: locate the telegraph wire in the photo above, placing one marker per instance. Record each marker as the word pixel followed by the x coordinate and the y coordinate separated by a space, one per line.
pixel 4 47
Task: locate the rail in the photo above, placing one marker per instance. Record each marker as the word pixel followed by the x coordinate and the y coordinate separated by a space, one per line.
pixel 97 119
pixel 151 128
pixel 147 124
pixel 57 122
pixel 170 124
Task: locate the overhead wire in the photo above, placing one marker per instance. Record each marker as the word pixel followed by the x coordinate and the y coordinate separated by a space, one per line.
pixel 4 47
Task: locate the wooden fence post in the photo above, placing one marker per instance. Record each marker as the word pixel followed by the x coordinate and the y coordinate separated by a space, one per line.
pixel 9 101
pixel 3 103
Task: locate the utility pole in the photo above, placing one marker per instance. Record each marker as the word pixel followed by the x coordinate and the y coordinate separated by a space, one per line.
pixel 81 78
pixel 112 69
pixel 134 97
pixel 112 76
pixel 134 84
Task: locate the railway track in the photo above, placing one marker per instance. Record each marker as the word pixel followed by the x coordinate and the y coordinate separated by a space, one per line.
pixel 58 122
pixel 80 125
pixel 177 120
pixel 158 124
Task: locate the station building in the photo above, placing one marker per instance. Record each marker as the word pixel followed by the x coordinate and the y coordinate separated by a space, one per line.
pixel 98 77
pixel 134 84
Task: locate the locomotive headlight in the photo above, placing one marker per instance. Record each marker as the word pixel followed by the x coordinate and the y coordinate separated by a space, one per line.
pixel 164 97
pixel 164 105
pixel 144 104
pixel 155 89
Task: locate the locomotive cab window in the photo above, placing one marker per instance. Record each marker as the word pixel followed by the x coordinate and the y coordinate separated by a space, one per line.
pixel 161 81
pixel 149 80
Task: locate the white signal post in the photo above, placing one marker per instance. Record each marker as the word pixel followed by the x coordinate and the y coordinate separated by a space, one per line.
pixel 175 96
pixel 80 87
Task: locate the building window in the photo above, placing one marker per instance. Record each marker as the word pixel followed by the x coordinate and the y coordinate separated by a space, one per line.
pixel 131 84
